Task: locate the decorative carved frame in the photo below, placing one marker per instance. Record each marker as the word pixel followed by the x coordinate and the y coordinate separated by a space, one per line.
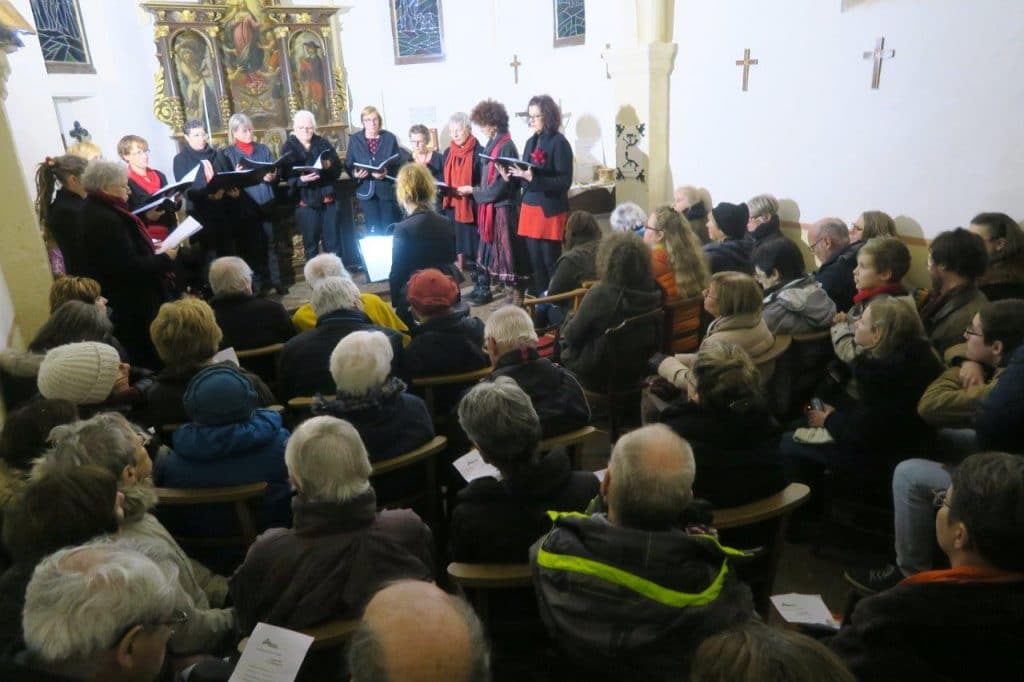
pixel 205 19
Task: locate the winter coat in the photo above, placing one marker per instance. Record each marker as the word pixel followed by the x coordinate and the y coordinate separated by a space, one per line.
pixel 836 276
pixel 953 630
pixel 163 398
pixel 423 240
pixel 359 152
pixel 251 322
pixel 549 188
pixel 585 348
pixel 734 255
pixel 573 268
pixel 19 370
pixel 798 307
pixel 321 191
pixel 643 619
pixel 736 453
pixel 376 308
pixel 555 393
pixel 999 421
pixel 304 364
pixel 496 521
pixel 63 223
pixel 661 266
pixel 1004 278
pixel 945 317
pixel 748 331
pixel 947 404
pixel 448 344
pixel 337 555
pixel 258 199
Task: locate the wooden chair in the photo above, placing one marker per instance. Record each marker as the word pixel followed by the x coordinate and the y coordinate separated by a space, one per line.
pixel 261 361
pixel 426 456
pixel 572 441
pixel 429 386
pixel 332 634
pixel 683 325
pixel 576 295
pixel 767 520
pixel 628 368
pixel 476 581
pixel 240 496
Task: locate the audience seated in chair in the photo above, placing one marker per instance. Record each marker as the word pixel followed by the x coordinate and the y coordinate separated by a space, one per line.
pixel 341 549
pixel 725 420
pixel 555 393
pixel 247 321
pixel 102 611
pixel 1004 241
pixel 576 265
pixel 61 508
pixel 411 631
pixel 764 224
pixel 729 248
pixel 74 321
pixel 695 205
pixel 966 622
pixel 319 268
pixel 794 302
pixel 229 441
pixel 956 260
pixel 755 652
pixel 882 263
pixel 829 240
pixel 92 376
pixel 677 260
pixel 496 520
pixel 871 224
pixel 109 441
pixel 627 288
pixel 186 337
pixel 447 339
pixel 589 570
pixel 304 365
pixel 999 422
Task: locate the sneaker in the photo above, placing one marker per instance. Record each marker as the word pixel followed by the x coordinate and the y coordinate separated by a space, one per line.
pixel 874 580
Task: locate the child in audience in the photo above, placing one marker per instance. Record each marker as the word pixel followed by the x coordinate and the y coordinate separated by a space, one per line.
pixel 794 302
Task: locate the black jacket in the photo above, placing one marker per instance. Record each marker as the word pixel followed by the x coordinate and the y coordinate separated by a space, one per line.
pixel 63 221
pixel 304 365
pixel 999 422
pixel 499 192
pixel 733 255
pixel 256 200
pixel 450 344
pixel 164 396
pixel 314 194
pixel 251 322
pixel 213 214
pixel 137 196
pixel 423 240
pixel 549 188
pixel 953 631
pixel 497 521
pixel 573 267
pixel 836 276
pixel 736 454
pixel 556 394
pixel 359 152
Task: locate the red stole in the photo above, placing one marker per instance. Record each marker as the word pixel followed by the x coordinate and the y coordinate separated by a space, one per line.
pixel 868 294
pixel 458 171
pixel 485 212
pixel 149 182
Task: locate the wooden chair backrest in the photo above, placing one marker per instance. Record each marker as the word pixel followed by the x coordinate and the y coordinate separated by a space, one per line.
pixel 429 384
pixel 262 351
pixel 240 496
pixel 427 493
pixel 572 441
pixel 624 364
pixel 490 576
pixel 682 325
pixel 332 634
pixel 576 295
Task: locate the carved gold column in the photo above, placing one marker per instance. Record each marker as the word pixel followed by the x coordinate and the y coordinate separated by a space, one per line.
pixel 167 104
pixel 224 102
pixel 294 101
pixel 337 95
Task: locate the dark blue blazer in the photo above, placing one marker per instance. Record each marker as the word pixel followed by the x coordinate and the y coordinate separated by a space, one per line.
pixel 359 152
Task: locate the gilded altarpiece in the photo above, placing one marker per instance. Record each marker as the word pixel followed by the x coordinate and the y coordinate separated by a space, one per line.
pixel 257 57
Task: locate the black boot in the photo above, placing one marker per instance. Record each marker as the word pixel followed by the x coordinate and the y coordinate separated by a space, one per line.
pixel 481 293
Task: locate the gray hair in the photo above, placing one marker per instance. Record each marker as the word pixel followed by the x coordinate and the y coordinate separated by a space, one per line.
pixel 304 113
pixel 627 217
pixel 100 174
pixel 361 362
pixel 763 204
pixel 107 440
pixel 327 460
pixel 459 118
pixel 834 229
pixel 511 327
pixel 499 417
pixel 645 494
pixel 320 267
pixel 230 275
pixel 335 293
pixel 237 122
pixel 82 599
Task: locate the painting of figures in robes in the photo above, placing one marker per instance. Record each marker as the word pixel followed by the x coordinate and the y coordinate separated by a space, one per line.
pixel 252 62
pixel 195 79
pixel 310 68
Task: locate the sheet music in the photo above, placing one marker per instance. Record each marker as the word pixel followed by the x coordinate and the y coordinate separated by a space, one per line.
pixel 808 609
pixel 472 466
pixel 272 654
pixel 188 227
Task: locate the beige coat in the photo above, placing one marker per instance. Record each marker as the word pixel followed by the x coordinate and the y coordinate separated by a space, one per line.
pixel 749 332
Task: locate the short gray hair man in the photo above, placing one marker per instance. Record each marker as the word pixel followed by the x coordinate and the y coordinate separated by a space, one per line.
pixel 649 482
pixel 103 610
pixel 320 267
pixel 508 328
pixel 499 418
pixel 361 362
pixel 105 176
pixel 414 632
pixel 327 461
pixel 827 237
pixel 230 275
pixel 335 293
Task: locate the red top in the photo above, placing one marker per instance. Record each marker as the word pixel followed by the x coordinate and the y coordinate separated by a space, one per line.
pixel 534 224
pixel 246 149
pixel 149 182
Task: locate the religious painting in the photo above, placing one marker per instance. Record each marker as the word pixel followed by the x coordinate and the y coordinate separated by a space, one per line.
pixel 252 62
pixel 195 69
pixel 417 30
pixel 62 36
pixel 570 22
pixel 311 74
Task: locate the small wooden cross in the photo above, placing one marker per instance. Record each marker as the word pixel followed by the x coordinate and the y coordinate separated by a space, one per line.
pixel 746 63
pixel 515 64
pixel 878 54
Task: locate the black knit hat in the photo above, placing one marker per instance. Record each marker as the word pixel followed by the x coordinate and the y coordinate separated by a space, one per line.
pixel 732 219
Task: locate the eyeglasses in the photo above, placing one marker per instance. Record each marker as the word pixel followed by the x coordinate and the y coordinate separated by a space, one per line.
pixel 970 332
pixel 815 244
pixel 648 227
pixel 177 618
pixel 534 117
pixel 941 499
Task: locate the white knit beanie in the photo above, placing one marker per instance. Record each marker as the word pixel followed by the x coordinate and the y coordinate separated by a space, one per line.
pixel 83 373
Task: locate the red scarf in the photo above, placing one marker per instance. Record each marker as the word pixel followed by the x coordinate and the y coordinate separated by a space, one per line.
pixel 964 574
pixel 485 212
pixel 246 149
pixel 458 171
pixel 149 182
pixel 121 206
pixel 868 294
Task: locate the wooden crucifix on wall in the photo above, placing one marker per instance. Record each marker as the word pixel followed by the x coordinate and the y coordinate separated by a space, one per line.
pixel 515 64
pixel 746 63
pixel 878 54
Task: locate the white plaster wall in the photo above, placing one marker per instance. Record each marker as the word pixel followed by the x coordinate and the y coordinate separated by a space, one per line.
pixel 937 143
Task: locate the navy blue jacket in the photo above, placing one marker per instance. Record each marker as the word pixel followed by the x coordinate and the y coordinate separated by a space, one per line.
pixel 549 188
pixel 261 194
pixel 734 255
pixel 999 422
pixel 314 194
pixel 836 277
pixel 359 152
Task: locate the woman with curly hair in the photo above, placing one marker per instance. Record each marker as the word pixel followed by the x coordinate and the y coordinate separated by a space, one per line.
pixel 626 288
pixel 676 256
pixel 58 211
pixel 546 189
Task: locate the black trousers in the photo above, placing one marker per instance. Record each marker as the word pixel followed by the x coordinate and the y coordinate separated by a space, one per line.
pixel 544 254
pixel 380 213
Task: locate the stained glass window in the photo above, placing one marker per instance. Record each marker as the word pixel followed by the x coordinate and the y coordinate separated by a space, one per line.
pixel 570 22
pixel 418 31
pixel 61 36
